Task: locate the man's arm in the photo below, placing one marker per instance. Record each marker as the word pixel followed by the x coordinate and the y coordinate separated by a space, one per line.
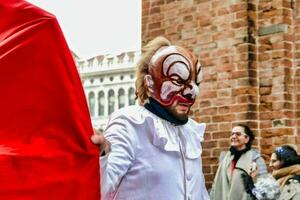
pixel 118 143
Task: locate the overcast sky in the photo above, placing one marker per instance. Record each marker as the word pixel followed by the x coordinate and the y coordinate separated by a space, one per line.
pixel 94 27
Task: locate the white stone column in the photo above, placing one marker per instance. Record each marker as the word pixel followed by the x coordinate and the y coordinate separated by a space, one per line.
pixel 96 103
pixel 116 98
pixel 126 96
pixel 105 102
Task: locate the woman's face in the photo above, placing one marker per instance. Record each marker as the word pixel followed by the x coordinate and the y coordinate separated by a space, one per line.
pixel 274 162
pixel 239 138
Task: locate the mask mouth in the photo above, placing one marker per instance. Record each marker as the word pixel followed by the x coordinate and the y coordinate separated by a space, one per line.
pixel 184 101
pixel 180 100
pixel 184 104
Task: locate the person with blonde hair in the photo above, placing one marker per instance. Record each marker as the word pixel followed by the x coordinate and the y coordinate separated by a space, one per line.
pixel 153 150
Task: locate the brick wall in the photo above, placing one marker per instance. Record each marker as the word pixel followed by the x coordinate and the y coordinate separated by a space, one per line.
pixel 250 55
pixel 296 71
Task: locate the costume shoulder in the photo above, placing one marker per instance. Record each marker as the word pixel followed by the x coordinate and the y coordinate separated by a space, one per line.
pixel 196 128
pixel 135 114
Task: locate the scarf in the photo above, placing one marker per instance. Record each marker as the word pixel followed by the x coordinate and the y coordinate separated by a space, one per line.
pixel 237 154
pixel 284 174
pixel 157 109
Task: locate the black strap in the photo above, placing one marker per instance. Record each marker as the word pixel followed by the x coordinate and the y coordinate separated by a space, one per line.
pixel 244 171
pixel 248 182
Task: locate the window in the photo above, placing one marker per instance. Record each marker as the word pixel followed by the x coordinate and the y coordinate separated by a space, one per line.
pixel 121 98
pixel 111 101
pixel 131 96
pixel 101 103
pixel 92 103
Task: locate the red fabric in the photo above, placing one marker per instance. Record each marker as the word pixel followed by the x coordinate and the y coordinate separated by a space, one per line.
pixel 45 150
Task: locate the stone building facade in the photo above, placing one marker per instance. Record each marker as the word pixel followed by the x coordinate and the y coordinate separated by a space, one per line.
pixel 250 53
pixel 108 82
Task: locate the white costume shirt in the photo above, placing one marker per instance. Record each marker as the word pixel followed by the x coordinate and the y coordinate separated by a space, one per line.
pixel 152 159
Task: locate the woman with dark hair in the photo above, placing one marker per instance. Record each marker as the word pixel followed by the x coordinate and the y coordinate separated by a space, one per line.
pixel 239 160
pixel 285 163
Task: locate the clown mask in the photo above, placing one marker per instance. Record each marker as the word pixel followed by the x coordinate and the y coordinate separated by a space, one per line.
pixel 174 76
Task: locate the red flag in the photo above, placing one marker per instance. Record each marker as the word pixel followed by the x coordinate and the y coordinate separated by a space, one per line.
pixel 45 150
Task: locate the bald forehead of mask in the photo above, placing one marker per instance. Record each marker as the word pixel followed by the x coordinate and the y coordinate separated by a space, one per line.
pixel 175 73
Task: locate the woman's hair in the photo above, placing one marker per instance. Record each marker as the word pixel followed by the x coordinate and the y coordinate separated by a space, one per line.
pixel 250 134
pixel 287 156
pixel 142 66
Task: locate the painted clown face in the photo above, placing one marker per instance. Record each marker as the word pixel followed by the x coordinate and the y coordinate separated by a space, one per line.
pixel 174 76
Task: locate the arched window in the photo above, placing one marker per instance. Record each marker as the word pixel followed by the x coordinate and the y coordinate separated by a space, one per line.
pixel 131 96
pixel 101 103
pixel 111 101
pixel 92 103
pixel 121 98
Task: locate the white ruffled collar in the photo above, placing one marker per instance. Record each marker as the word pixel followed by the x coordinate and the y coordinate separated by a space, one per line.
pixel 166 136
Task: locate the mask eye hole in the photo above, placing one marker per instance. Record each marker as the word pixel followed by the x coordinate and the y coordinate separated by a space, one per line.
pixel 177 80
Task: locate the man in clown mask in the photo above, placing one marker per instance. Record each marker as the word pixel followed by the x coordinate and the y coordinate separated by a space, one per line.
pixel 153 151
